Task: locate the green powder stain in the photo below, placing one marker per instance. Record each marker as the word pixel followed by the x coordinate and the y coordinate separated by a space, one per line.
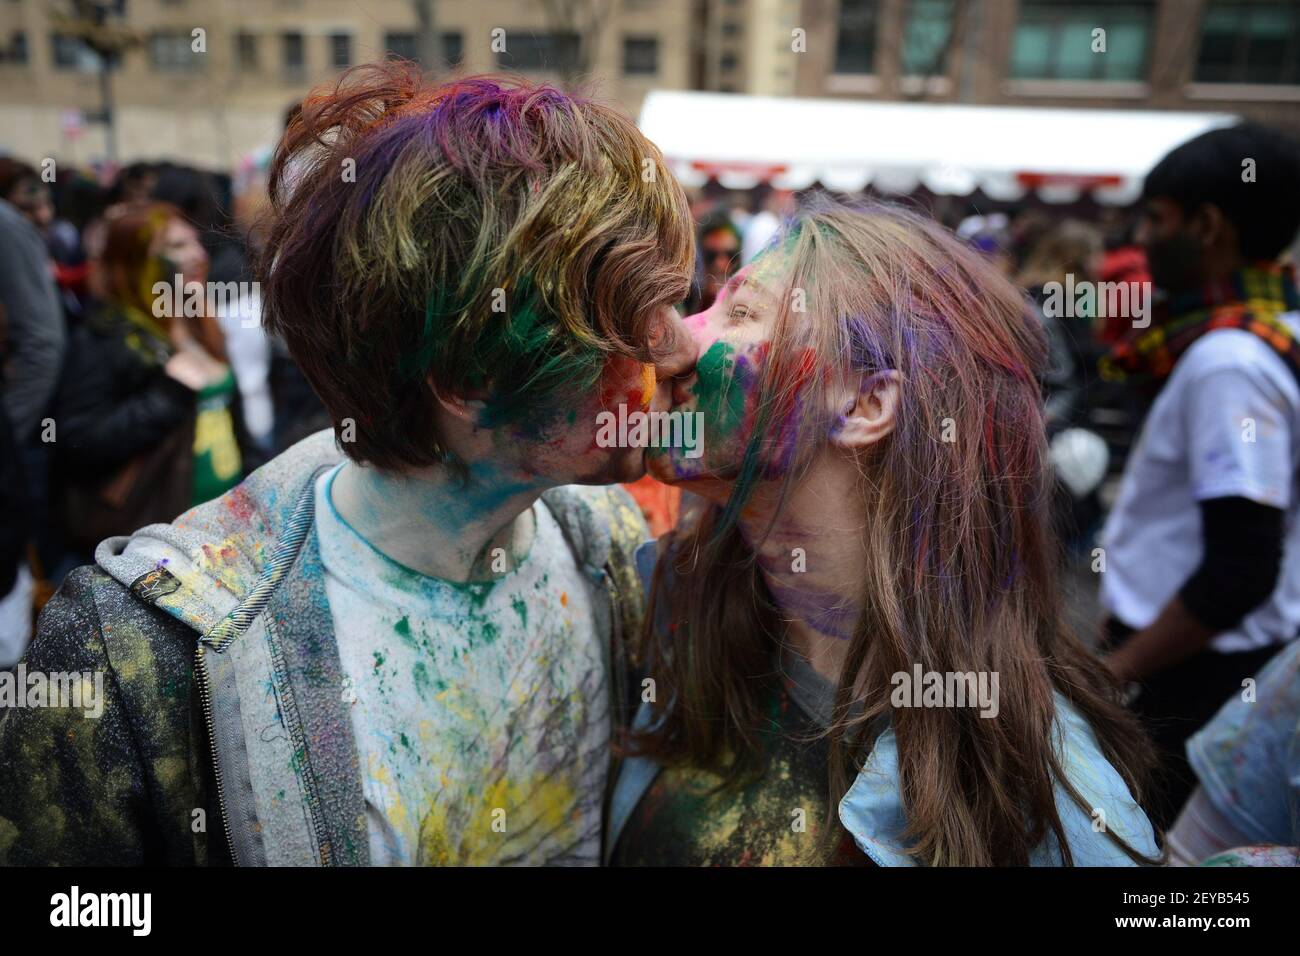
pixel 521 609
pixel 717 395
pixel 403 629
pixel 421 675
pixel 489 632
pixel 379 660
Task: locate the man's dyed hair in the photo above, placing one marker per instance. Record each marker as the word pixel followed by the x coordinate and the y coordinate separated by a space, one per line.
pixel 497 239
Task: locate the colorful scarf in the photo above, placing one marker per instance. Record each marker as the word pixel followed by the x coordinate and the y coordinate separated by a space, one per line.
pixel 1251 299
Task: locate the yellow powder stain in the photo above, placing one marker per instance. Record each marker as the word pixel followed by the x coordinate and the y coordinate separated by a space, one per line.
pixel 647 385
pixel 482 831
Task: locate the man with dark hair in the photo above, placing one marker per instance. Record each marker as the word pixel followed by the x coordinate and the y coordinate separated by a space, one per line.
pixel 1202 575
pixel 403 642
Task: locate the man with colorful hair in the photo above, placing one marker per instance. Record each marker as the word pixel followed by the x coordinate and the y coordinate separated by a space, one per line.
pixel 402 642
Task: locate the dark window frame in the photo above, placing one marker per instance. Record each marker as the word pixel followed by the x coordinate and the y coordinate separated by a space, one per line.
pixel 1058 16
pixel 861 29
pixel 1239 66
pixel 247 50
pixel 646 42
pixel 169 42
pixel 543 52
pixel 293 54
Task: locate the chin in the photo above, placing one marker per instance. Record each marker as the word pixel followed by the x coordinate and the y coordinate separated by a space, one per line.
pixel 621 469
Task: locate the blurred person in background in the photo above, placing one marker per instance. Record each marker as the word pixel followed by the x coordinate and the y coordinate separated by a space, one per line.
pixel 22 187
pixel 1202 547
pixel 1070 249
pixel 1063 257
pixel 200 198
pixel 78 201
pixel 1123 261
pixel 16 584
pixel 148 410
pixel 718 258
pixel 991 237
pixel 32 341
pixel 771 207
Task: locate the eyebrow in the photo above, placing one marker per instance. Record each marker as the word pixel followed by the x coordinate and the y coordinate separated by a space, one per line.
pixel 735 281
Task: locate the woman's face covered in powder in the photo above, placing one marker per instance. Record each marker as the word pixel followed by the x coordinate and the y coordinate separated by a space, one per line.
pixel 733 340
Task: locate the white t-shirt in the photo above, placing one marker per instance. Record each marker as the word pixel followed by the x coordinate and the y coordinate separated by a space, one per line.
pixel 480 711
pixel 1226 424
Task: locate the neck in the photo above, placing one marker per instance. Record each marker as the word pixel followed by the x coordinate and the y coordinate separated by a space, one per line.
pixel 433 524
pixel 811 558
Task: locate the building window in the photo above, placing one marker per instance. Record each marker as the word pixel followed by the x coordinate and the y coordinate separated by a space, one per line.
pixel 295 61
pixel 640 56
pixel 72 53
pixel 453 48
pixel 926 37
pixel 340 50
pixel 727 62
pixel 528 50
pixel 855 41
pixel 1250 43
pixel 730 28
pixel 402 45
pixel 16 51
pixel 173 53
pixel 407 47
pixel 1054 41
pixel 246 51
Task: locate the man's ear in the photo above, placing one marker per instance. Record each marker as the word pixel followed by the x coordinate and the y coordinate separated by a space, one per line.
pixel 1209 224
pixel 871 414
pixel 464 408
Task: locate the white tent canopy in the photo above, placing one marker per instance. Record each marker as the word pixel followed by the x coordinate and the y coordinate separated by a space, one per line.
pixel 895 147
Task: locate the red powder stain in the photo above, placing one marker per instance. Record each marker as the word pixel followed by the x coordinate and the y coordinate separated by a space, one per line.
pixel 618 383
pixel 239 504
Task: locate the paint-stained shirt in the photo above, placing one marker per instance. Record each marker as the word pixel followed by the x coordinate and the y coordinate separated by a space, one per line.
pixel 480 711
pixel 684 819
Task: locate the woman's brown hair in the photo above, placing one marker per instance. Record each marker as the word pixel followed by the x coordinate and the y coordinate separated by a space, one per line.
pixel 960 574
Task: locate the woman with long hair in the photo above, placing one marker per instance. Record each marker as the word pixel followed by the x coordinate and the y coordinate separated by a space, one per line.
pixel 855 651
pixel 147 412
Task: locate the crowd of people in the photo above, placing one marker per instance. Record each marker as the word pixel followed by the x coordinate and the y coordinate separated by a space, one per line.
pixel 123 413
pixel 903 417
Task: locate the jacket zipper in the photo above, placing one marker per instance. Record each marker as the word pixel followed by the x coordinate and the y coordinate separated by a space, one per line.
pixel 205 696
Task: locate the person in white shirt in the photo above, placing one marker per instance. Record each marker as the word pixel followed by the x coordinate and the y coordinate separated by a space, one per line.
pixel 1202 549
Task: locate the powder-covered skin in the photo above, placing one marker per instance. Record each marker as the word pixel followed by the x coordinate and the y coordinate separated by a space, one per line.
pixel 480 710
pixel 749 442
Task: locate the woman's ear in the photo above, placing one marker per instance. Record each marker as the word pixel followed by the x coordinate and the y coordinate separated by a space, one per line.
pixel 871 414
